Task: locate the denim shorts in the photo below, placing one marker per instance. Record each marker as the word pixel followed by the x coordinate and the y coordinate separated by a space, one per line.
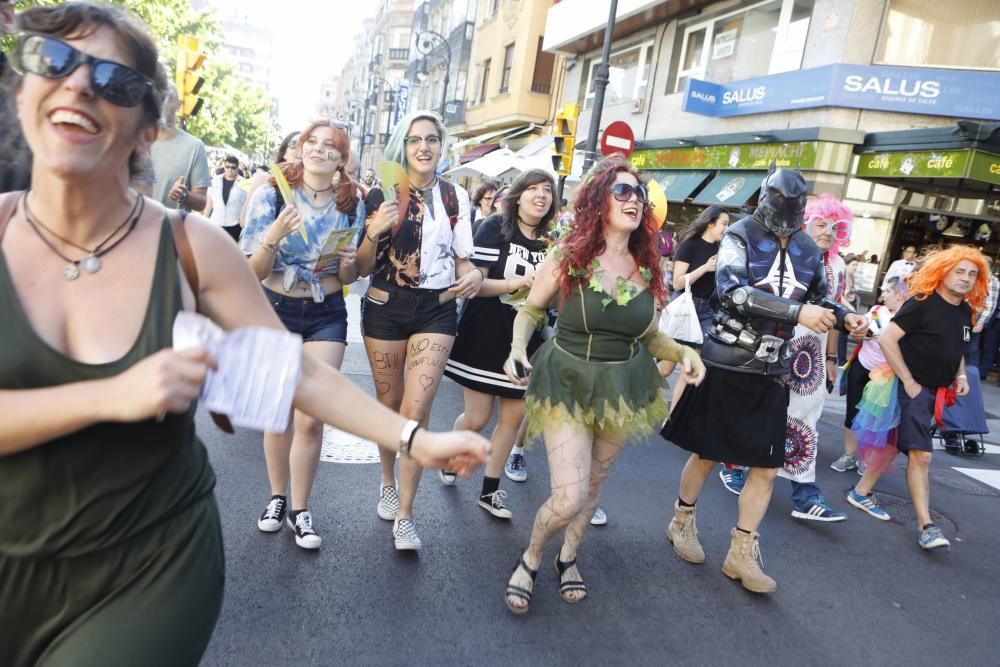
pixel 313 321
pixel 408 311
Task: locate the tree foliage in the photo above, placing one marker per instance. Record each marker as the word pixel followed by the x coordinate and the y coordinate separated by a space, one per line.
pixel 235 112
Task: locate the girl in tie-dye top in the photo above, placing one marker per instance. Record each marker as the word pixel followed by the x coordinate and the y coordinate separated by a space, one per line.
pixel 283 241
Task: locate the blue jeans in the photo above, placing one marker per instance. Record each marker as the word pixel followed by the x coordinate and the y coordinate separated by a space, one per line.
pixel 803 491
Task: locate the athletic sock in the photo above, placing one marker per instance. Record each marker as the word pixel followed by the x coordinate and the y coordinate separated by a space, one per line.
pixel 490 485
pixel 680 502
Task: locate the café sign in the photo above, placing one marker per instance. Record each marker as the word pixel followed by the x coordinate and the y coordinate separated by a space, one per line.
pixel 963 163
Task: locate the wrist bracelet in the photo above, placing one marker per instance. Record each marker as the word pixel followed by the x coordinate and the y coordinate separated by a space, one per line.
pixel 374 241
pixel 482 273
pixel 406 436
pixel 831 357
pixel 270 247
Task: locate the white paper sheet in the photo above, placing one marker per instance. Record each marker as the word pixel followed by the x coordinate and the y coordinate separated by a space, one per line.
pixel 259 369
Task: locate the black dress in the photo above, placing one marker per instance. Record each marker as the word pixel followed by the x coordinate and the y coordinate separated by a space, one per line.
pixel 485 325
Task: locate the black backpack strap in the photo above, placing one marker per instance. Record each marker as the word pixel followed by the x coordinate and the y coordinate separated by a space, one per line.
pixel 450 198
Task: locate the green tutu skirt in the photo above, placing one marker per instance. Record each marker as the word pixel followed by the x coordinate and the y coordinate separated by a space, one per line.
pixel 602 396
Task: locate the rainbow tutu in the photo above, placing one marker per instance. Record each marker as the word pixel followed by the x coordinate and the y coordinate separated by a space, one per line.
pixel 877 424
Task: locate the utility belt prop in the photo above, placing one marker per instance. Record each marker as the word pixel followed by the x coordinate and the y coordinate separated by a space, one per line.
pixel 764 347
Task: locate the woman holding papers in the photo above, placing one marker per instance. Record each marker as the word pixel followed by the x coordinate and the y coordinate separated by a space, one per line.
pixel 292 246
pixel 416 248
pixel 509 247
pixel 111 549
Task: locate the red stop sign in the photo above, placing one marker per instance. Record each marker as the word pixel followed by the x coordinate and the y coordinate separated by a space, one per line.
pixel 617 138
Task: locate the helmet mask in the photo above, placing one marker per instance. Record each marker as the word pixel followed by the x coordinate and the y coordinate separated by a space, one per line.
pixel 782 201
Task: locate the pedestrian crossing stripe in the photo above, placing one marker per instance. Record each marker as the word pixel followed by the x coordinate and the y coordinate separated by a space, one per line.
pixel 988 477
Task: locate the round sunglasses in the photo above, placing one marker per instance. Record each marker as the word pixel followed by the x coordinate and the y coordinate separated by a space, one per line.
pixel 52 58
pixel 623 191
pixel 841 228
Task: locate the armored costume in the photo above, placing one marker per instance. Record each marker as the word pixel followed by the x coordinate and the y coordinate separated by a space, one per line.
pixel 737 415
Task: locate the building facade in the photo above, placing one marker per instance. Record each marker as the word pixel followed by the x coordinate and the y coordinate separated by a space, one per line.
pixel 890 105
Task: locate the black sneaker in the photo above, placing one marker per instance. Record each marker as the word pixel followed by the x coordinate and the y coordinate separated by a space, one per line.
pixel 493 503
pixel 305 536
pixel 274 515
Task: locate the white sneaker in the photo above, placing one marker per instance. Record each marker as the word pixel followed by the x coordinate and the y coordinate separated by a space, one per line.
pixel 404 532
pixel 388 502
pixel 516 468
pixel 599 518
pixel 447 477
pixel 493 503
pixel 273 517
pixel 305 536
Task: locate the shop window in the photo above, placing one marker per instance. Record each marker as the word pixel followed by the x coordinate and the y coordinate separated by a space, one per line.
pixel 766 38
pixel 541 80
pixel 628 75
pixel 960 33
pixel 508 65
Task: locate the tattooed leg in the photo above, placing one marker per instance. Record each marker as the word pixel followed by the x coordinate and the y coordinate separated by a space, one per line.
pixel 426 356
pixel 387 359
pixel 569 453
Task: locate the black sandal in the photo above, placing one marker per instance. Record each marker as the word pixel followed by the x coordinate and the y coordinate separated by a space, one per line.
pixel 519 592
pixel 569 586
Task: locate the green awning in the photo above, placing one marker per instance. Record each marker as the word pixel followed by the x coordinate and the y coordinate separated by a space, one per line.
pixel 678 184
pixel 731 188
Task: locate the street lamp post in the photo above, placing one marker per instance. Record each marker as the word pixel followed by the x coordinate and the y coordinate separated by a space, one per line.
pixel 425 44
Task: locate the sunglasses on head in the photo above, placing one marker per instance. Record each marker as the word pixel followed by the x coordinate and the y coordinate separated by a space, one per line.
pixel 332 122
pixel 623 191
pixel 52 58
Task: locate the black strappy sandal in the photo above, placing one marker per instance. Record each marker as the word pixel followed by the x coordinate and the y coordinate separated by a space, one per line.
pixel 518 591
pixel 569 586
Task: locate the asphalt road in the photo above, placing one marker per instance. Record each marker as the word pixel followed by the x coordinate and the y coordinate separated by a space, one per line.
pixel 856 593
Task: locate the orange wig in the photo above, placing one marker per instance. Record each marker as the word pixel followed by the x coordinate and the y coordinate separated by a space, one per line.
pixel 937 265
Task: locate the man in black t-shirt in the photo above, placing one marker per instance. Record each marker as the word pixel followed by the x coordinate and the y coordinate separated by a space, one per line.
pixel 924 345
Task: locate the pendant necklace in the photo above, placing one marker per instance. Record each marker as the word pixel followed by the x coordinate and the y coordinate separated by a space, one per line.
pixel 315 191
pixel 92 262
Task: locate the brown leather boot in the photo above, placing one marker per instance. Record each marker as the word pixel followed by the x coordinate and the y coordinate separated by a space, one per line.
pixel 742 563
pixel 683 534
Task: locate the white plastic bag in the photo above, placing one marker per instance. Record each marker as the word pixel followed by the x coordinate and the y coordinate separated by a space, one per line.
pixel 680 319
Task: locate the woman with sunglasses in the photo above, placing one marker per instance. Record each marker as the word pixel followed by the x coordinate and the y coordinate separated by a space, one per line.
pixel 509 247
pixel 595 384
pixel 111 551
pixel 694 263
pixel 419 261
pixel 284 241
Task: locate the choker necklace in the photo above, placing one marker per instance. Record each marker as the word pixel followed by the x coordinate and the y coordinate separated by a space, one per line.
pixel 426 187
pixel 315 191
pixel 92 262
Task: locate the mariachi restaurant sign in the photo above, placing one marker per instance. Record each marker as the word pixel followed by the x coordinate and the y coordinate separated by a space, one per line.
pixel 798 154
pixel 916 90
pixel 963 163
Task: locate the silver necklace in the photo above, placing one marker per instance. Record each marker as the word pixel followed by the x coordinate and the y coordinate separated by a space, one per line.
pixel 92 262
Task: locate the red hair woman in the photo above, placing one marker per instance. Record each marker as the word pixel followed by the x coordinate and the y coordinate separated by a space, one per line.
pixel 594 385
pixel 284 241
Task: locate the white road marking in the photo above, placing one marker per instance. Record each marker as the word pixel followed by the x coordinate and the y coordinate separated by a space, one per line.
pixel 990 477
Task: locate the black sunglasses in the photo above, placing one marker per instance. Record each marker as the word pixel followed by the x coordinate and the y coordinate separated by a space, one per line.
pixel 52 58
pixel 623 191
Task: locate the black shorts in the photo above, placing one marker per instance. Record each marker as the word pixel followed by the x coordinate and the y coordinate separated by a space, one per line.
pixel 732 417
pixel 407 312
pixel 916 416
pixel 326 321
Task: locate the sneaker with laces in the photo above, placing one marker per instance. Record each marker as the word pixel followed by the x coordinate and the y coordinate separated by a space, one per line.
pixel 516 468
pixel 493 503
pixel 931 537
pixel 867 504
pixel 733 479
pixel 388 502
pixel 273 516
pixel 305 536
pixel 404 532
pixel 447 477
pixel 599 518
pixel 816 509
pixel 844 463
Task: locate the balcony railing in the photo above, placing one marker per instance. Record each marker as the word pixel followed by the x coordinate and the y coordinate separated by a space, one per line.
pixel 399 54
pixel 540 87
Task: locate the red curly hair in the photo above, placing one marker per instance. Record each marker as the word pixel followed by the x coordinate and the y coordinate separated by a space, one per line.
pixel 585 239
pixel 294 171
pixel 937 265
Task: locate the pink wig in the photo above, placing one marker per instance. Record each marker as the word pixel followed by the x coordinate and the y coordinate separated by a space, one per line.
pixel 827 206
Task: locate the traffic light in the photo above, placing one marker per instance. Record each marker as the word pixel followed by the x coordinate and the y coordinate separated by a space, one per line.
pixel 564 133
pixel 189 81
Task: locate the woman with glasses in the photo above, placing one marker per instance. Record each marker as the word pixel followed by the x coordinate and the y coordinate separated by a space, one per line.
pixel 419 261
pixel 595 384
pixel 509 247
pixel 694 263
pixel 111 550
pixel 284 242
